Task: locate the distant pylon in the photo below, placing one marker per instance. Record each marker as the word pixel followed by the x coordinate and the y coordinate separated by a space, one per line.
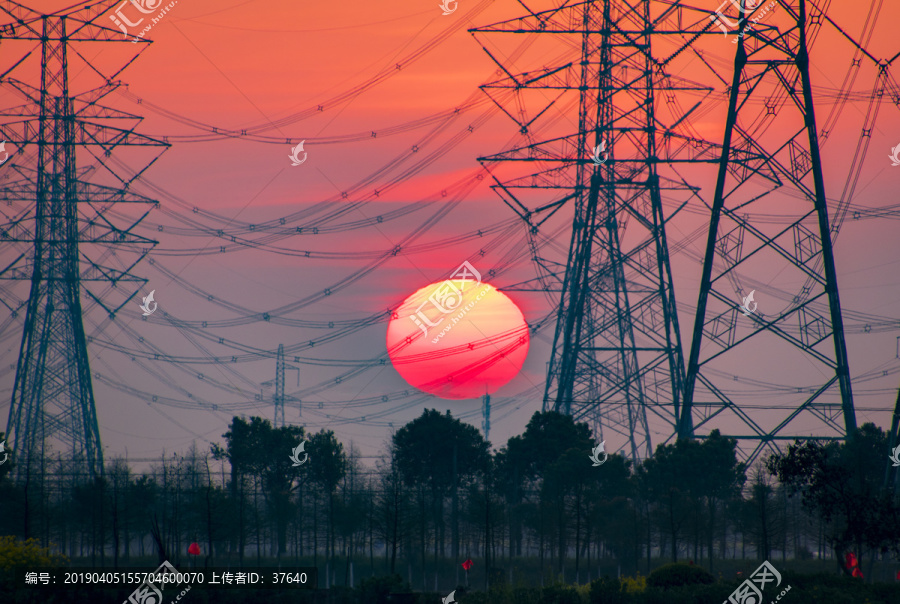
pixel 617 358
pixel 891 471
pixel 486 414
pixel 62 219
pixel 280 397
pixel 769 235
pixel 279 387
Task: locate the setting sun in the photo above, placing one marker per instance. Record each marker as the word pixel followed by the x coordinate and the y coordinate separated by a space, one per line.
pixel 458 339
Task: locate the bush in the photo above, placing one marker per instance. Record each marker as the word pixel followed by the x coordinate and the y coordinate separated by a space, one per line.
pixel 689 594
pixel 495 596
pixel 831 595
pixel 678 575
pixel 375 590
pixel 634 585
pixel 340 594
pixel 525 595
pixel 14 552
pixel 559 594
pixel 607 590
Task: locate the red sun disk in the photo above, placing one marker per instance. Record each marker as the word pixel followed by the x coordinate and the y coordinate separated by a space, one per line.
pixel 458 339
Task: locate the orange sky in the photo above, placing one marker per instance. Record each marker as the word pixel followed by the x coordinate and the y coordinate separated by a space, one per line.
pixel 237 64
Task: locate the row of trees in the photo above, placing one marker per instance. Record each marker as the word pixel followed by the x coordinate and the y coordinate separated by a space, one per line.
pixel 440 491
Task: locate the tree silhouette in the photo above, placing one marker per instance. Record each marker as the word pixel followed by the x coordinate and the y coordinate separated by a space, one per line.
pixel 391 508
pixel 671 482
pixel 538 496
pixel 257 449
pixel 689 480
pixel 760 514
pixel 844 483
pixel 722 478
pixel 547 438
pixel 327 467
pixel 612 511
pixel 440 451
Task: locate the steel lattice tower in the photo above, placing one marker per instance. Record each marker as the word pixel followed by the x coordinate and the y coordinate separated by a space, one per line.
pixel 486 416
pixel 617 356
pixel 769 232
pixel 280 397
pixel 279 388
pixel 62 219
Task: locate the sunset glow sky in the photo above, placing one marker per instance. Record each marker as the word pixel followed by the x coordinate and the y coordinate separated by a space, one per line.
pixel 247 64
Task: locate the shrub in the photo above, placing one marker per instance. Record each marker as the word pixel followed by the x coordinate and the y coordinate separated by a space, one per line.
pixel 341 594
pixel 473 597
pixel 525 595
pixel 634 585
pixel 14 552
pixel 607 590
pixel 497 577
pixel 830 595
pixel 678 575
pixel 713 593
pixel 375 590
pixel 559 594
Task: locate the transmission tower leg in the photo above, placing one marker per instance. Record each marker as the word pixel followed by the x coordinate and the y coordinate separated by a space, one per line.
pixel 772 154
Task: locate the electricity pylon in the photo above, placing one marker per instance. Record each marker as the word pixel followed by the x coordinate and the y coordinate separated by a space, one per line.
pixel 486 415
pixel 617 356
pixel 769 235
pixel 64 220
pixel 278 382
pixel 279 387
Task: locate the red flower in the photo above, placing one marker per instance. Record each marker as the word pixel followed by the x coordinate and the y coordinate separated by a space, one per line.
pixel 194 549
pixel 853 563
pixel 467 565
